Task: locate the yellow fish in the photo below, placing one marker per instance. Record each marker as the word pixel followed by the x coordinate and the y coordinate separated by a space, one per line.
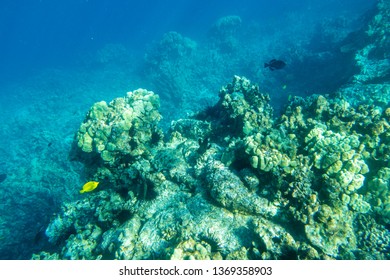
pixel 90 186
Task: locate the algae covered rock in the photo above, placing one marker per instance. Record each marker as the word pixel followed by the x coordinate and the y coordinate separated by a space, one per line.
pixel 230 192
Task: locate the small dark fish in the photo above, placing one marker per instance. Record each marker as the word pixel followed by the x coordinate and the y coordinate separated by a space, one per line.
pixel 49 144
pixel 275 64
pixel 3 177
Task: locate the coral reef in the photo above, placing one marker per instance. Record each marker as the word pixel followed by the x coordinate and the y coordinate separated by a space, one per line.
pixel 234 181
pixel 294 188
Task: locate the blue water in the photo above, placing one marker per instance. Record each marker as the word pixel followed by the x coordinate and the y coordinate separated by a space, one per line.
pixel 36 34
pixel 53 68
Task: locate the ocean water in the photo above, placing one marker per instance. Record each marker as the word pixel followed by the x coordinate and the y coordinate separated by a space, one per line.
pixel 58 58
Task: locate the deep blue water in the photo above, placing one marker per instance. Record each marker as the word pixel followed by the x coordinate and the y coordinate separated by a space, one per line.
pixel 52 71
pixel 39 33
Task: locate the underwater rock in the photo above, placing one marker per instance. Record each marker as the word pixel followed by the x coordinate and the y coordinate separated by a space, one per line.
pixel 230 192
pixel 172 46
pixel 171 69
pixel 225 34
pixel 228 24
